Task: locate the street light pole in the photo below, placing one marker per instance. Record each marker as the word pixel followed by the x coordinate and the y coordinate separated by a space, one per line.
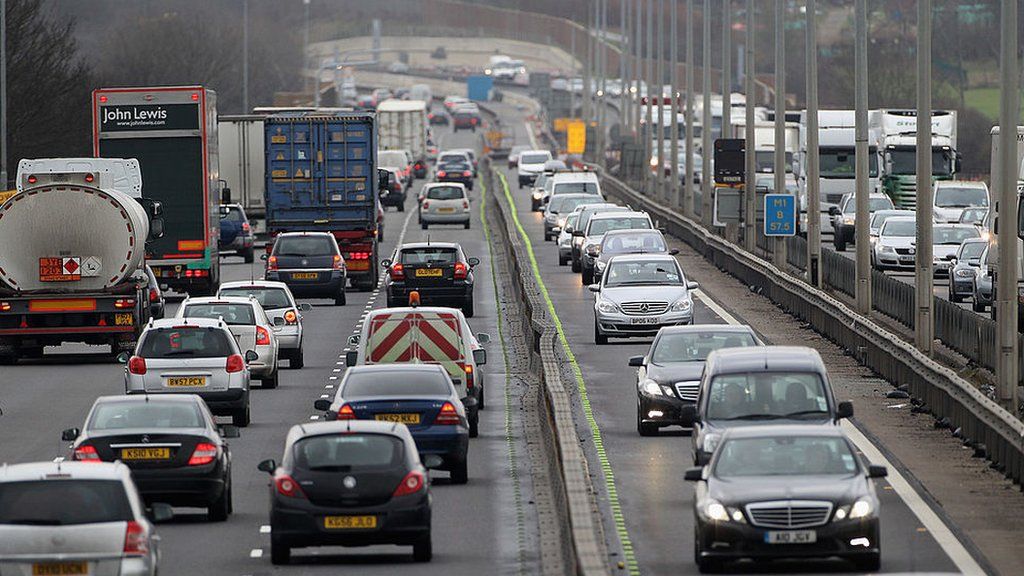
pixel 674 200
pixel 1007 368
pixel 707 151
pixel 689 196
pixel 305 40
pixel 813 185
pixel 726 69
pixel 245 56
pixel 860 82
pixel 659 179
pixel 750 168
pixel 623 67
pixel 924 326
pixel 648 148
pixel 779 165
pixel 638 70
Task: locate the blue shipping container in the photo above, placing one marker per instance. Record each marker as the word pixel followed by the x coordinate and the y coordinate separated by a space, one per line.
pixel 479 88
pixel 321 171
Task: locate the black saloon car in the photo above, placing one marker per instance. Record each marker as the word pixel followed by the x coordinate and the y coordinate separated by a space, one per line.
pixel 349 483
pixel 439 271
pixel 171 443
pixel 455 171
pixel 780 492
pixel 310 263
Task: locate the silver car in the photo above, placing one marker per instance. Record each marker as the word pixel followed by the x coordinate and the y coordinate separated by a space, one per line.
pixel 192 356
pixel 285 314
pixel 75 518
pixel 564 239
pixel 248 323
pixel 638 295
pixel 946 241
pixel 444 203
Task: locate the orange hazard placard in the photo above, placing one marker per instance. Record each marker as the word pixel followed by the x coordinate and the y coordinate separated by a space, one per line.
pixel 60 269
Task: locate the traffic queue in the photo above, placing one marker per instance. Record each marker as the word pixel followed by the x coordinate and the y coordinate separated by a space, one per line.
pixel 775 475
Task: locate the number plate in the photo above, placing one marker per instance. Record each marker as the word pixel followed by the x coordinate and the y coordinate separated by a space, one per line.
pixel 186 381
pixel 123 319
pixel 349 522
pixel 646 320
pixel 791 537
pixel 446 210
pixel 60 568
pixel 429 273
pixel 400 418
pixel 305 275
pixel 145 454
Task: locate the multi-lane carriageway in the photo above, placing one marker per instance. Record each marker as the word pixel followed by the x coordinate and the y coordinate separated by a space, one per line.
pixel 490 525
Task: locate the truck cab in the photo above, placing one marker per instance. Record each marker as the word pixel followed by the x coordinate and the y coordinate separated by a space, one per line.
pixel 897 150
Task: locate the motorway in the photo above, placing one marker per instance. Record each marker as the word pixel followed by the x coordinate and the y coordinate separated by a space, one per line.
pixel 485 527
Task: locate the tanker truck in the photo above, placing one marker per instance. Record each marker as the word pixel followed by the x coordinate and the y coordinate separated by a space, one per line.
pixel 77 270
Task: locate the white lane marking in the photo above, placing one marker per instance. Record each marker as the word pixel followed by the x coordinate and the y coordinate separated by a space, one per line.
pixel 336 370
pixel 314 417
pixel 941 533
pixel 256 552
pixel 265 529
pixel 325 396
pixel 58 459
pixel 529 134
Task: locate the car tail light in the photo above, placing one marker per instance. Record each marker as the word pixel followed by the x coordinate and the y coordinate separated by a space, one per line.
pixel 262 336
pixel 203 454
pixel 426 204
pixel 441 173
pixel 473 121
pixel 465 204
pixel 137 365
pixel 245 226
pixel 287 486
pixel 412 483
pixel 291 317
pixel 154 296
pixel 461 271
pixel 419 166
pixel 86 453
pixel 338 262
pixel 346 413
pixel 136 541
pixel 467 173
pixel 124 303
pixel 448 416
pixel 272 263
pixel 397 271
pixel 469 376
pixel 235 363
pixel 5 306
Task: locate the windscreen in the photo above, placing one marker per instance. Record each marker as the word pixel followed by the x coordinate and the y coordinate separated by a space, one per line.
pixel 561 204
pixel 233 314
pixel 398 383
pixel 972 250
pixel 634 242
pixel 766 161
pixel 152 414
pixel 445 193
pixel 459 165
pixel 899 228
pixel 695 346
pixel 269 298
pixel 452 157
pixel 877 203
pixel 63 502
pixel 534 158
pixel 951 235
pixel 785 456
pixel 641 272
pixel 904 162
pixel 231 215
pixel 305 246
pixel 186 342
pixel 973 215
pixel 949 197
pixel 347 451
pixel 576 188
pixel 602 225
pixel 840 163
pixel 766 395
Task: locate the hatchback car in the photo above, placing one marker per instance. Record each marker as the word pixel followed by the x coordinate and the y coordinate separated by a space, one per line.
pixel 844 218
pixel 350 483
pixel 457 171
pixel 192 356
pixel 974 216
pixel 966 264
pixel 280 306
pixel 751 386
pixel 175 450
pixel 438 118
pixel 513 155
pixel 155 295
pixel 895 247
pixel 75 518
pixel 250 326
pixel 421 396
pixel 579 229
pixel 236 234
pixel 444 204
pixel 879 217
pixel 952 197
pixel 439 271
pixel 395 193
pixel 556 211
pixel 617 242
pixel 310 263
pixel 464 119
pixel 778 492
pixel 668 376
pixel 639 294
pixel 597 227
pixel 400 160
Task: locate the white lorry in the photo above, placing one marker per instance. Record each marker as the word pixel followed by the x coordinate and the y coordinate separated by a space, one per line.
pixel 404 125
pixel 896 145
pixel 243 164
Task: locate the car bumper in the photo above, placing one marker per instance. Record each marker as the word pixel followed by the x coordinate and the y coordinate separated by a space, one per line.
pixel 301 288
pixel 221 402
pixel 622 326
pixel 893 261
pixel 467 180
pixel 527 178
pixel 431 294
pixel 663 410
pixel 301 523
pixel 450 218
pixel 732 540
pixel 451 443
pixel 983 295
pixel 201 486
pixel 961 286
pixel 239 243
pixel 289 338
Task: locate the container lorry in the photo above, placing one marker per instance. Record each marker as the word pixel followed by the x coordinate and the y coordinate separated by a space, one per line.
pixel 81 227
pixel 172 132
pixel 403 125
pixel 321 175
pixel 896 145
pixel 242 159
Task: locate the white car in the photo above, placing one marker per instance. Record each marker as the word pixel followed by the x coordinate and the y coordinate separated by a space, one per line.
pixel 444 203
pixel 76 518
pixel 895 247
pixel 250 326
pixel 531 163
pixel 952 197
pixel 284 312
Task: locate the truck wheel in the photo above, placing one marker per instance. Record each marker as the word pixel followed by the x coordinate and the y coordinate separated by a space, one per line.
pixel 249 256
pixel 271 382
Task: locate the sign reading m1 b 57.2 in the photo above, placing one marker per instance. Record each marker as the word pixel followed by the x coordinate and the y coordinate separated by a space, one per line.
pixel 135 117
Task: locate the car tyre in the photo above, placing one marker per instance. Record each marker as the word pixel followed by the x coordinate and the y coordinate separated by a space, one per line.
pixel 872 563
pixel 599 339
pixel 588 276
pixel 954 297
pixel 468 307
pixel 424 225
pixel 249 256
pixel 341 299
pixel 460 472
pixel 466 225
pixel 839 242
pixel 296 361
pixel 271 382
pixel 480 399
pixel 576 267
pixel 279 553
pixel 422 550
pixel 704 565
pixel 401 207
pixel 562 261
pixel 474 426
pixel 977 306
pixel 241 417
pixel 221 508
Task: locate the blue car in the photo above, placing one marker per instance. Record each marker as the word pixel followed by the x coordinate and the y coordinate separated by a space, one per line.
pixel 421 396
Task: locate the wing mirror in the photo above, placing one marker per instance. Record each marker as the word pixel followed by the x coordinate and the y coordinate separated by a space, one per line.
pixel 351 357
pixel 844 410
pixel 432 460
pixel 480 357
pixel 279 321
pixel 834 211
pixel 267 466
pixel 383 179
pixel 156 228
pixel 876 471
pixel 694 474
pixel 160 512
pixel 123 357
pixel 692 285
pixel 636 361
pixel 229 431
pixel 385 263
pixel 594 288
pixel 353 340
pixel 483 337
pixel 673 252
pixel 70 434
pixel 305 307
pixel 473 262
pixel 322 405
pixel 251 355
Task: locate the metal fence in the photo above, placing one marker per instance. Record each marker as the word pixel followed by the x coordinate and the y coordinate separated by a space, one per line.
pixel 796 252
pixel 893 298
pixel 838 272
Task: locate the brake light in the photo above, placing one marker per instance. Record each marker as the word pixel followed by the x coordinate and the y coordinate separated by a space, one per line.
pixel 235 363
pixel 473 121
pixel 412 483
pixel 203 454
pixel 137 365
pixel 346 413
pixel 419 166
pixel 398 271
pixel 467 173
pixel 286 486
pixel 5 306
pixel 338 262
pixel 154 296
pixel 136 542
pixel 124 303
pixel 469 376
pixel 272 263
pixel 291 317
pixel 448 416
pixel 86 453
pixel 441 173
pixel 245 226
pixel 465 204
pixel 262 336
pixel 426 204
pixel 461 271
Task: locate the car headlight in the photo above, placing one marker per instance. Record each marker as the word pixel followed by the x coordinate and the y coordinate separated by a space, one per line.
pixel 715 510
pixel 966 273
pixel 887 249
pixel 593 249
pixel 651 387
pixel 861 509
pixel 536 195
pixel 607 306
pixel 849 221
pixel 682 305
pixel 561 222
pixel 711 442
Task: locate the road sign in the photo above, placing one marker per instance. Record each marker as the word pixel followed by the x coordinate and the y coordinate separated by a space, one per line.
pixel 779 215
pixel 730 165
pixel 576 137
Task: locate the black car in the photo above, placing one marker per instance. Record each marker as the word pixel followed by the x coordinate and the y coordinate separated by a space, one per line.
pixel 438 271
pixel 236 234
pixel 155 295
pixel 437 118
pixel 395 193
pixel 668 377
pixel 310 263
pixel 174 448
pixel 348 483
pixel 780 492
pixel 455 171
pixel 420 168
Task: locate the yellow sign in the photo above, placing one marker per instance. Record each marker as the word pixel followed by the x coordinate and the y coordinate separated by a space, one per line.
pixel 560 124
pixel 4 196
pixel 576 137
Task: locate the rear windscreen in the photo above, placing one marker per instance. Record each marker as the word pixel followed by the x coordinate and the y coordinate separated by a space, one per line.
pixel 63 502
pixel 269 298
pixel 305 246
pixel 152 414
pixel 186 342
pixel 445 193
pixel 347 451
pixel 428 256
pixel 233 314
pixel 398 383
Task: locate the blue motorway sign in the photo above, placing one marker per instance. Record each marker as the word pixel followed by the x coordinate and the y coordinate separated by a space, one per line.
pixel 779 215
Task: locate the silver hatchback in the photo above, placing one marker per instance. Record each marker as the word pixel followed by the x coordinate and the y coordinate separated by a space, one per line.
pixel 192 356
pixel 75 518
pixel 282 309
pixel 444 203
